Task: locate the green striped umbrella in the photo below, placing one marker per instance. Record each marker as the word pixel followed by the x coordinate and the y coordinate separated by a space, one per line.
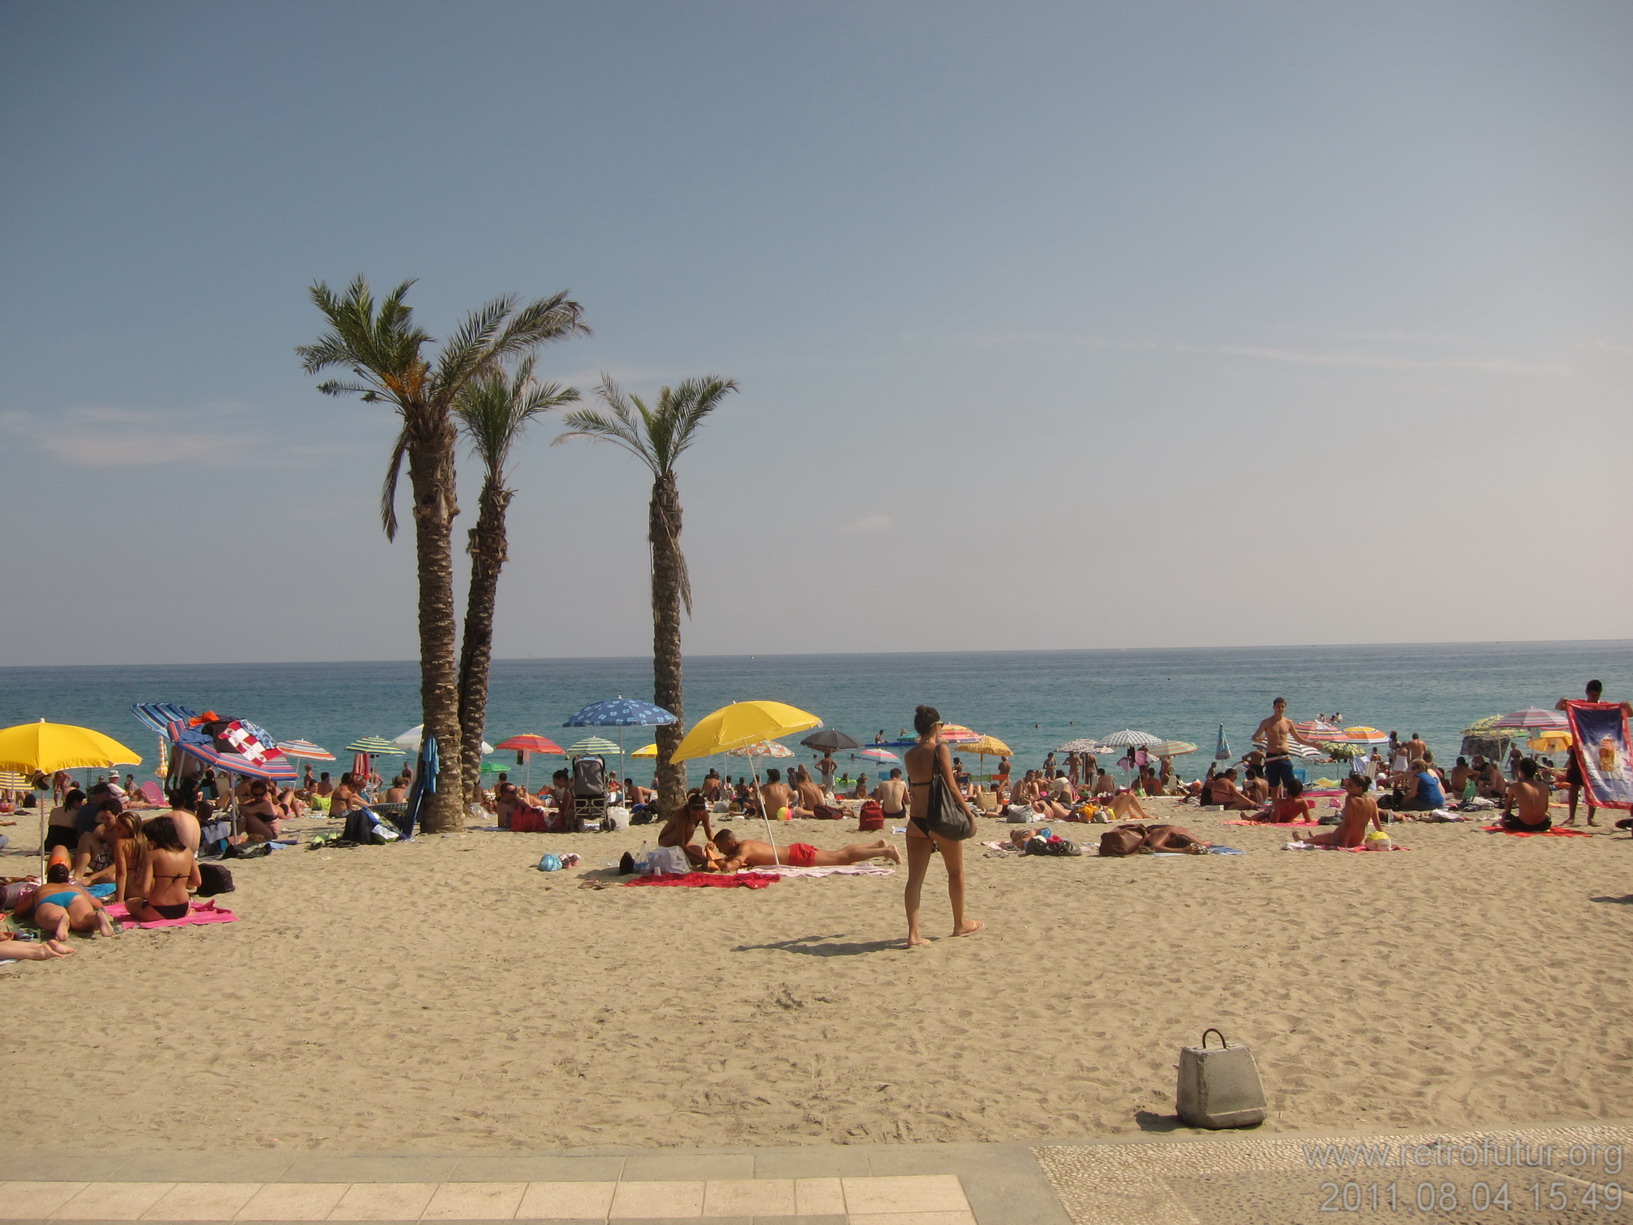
pixel 376 746
pixel 595 744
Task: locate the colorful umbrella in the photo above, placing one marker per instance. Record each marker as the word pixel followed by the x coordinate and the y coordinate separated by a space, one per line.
pixel 530 743
pixel 1321 731
pixel 304 749
pixel 650 750
pixel 1221 749
pixel 377 746
pixel 761 748
pixel 1171 748
pixel 1365 735
pixel 878 754
pixel 621 712
pixel 253 752
pixel 1551 741
pixel 594 745
pixel 957 733
pixel 159 715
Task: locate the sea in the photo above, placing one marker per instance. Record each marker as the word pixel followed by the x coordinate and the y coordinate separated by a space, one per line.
pixel 1034 701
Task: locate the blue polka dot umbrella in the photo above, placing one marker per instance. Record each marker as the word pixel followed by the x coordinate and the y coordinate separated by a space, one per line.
pixel 621 712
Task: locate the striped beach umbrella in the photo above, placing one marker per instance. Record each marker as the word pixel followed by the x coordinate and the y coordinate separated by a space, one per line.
pixel 376 746
pixel 1365 735
pixel 305 749
pixel 594 746
pixel 1128 738
pixel 1322 731
pixel 1533 717
pixel 528 742
pixel 878 754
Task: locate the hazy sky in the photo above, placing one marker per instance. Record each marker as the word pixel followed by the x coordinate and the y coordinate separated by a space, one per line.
pixel 1057 325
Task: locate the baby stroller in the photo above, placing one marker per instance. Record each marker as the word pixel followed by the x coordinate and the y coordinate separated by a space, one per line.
pixel 589 793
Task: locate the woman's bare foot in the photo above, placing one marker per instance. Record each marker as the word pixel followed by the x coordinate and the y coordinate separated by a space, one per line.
pixel 59 948
pixel 969 927
pixel 914 942
pixel 892 854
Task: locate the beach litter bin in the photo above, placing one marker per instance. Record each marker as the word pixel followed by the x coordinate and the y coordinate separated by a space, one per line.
pixel 1219 1086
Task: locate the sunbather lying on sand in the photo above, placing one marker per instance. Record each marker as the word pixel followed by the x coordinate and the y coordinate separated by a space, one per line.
pixel 58 907
pixel 746 852
pixel 1125 805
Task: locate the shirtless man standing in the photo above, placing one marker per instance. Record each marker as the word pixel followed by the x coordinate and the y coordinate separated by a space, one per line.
pixel 892 796
pixel 1532 798
pixel 682 824
pixel 1274 733
pixel 746 852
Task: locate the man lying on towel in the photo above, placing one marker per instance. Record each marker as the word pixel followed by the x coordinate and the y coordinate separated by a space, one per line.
pixel 1532 798
pixel 747 853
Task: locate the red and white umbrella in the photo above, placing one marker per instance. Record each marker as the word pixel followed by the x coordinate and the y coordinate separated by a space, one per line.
pixel 878 755
pixel 1321 731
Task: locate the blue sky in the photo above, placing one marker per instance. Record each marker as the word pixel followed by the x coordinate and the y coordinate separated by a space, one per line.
pixel 1056 325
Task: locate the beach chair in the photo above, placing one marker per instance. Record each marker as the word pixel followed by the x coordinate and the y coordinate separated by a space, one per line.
pixel 589 793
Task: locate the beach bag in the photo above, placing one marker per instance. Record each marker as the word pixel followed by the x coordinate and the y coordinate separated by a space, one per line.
pixel 667 860
pixel 871 817
pixel 1125 840
pixel 359 826
pixel 214 879
pixel 947 817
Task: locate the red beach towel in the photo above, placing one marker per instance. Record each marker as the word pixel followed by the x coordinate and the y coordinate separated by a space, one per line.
pixel 705 880
pixel 1537 833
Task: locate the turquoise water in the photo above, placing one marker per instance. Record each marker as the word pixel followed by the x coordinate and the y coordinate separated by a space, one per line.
pixel 1033 700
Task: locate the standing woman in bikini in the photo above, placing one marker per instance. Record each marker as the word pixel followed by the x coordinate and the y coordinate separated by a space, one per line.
pixel 924 760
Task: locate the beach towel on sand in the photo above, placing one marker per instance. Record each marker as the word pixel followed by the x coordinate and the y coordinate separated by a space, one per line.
pixel 705 880
pixel 850 869
pixel 1537 833
pixel 201 913
pixel 1287 824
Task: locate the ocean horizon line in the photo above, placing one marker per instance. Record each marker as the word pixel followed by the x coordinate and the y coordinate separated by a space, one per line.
pixel 806 655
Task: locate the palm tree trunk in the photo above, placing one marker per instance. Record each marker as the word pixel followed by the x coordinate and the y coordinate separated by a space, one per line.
pixel 431 474
pixel 488 556
pixel 668 570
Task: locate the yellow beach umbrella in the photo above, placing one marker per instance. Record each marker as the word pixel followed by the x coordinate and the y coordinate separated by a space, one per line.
pixel 1551 742
pixel 650 750
pixel 987 746
pixel 60 746
pixel 731 727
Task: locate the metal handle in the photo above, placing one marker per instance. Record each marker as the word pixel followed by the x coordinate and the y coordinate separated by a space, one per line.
pixel 1211 1030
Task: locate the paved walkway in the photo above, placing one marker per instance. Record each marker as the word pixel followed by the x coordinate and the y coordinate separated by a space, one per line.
pixel 1562 1174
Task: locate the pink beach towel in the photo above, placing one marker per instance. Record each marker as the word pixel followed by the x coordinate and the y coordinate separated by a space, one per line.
pixel 1273 824
pixel 705 880
pixel 200 914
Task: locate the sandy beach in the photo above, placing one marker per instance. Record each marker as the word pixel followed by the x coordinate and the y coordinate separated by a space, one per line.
pixel 445 993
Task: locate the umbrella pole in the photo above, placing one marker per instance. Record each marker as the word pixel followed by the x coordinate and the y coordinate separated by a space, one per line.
pixel 754 769
pixel 39 800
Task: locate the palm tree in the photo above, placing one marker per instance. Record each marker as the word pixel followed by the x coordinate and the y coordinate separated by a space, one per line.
pixel 493 412
pixel 657 437
pixel 381 348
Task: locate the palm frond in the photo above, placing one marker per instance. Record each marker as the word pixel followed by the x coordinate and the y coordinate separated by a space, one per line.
pixel 615 424
pixel 469 350
pixel 388 491
pixel 493 412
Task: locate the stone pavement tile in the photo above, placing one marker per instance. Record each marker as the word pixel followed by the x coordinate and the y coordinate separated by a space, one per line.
pixel 933 1158
pixel 817 1161
pixel 826 1218
pixel 204 1167
pixel 687 1167
pixel 475 1201
pixel 657 1199
pixel 819 1197
pixel 920 1218
pixel 61 1167
pixel 566 1201
pixel 541 1167
pixel 1021 1195
pixel 202 1201
pixel 27 1201
pixel 910 1193
pixel 750 1197
pixel 292 1201
pixel 384 1201
pixel 112 1201
pixel 323 1167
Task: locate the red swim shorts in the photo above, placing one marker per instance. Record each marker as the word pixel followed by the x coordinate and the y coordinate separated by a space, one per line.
pixel 801 855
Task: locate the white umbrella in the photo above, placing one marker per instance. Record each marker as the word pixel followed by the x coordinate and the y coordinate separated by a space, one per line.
pixel 411 739
pixel 1130 739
